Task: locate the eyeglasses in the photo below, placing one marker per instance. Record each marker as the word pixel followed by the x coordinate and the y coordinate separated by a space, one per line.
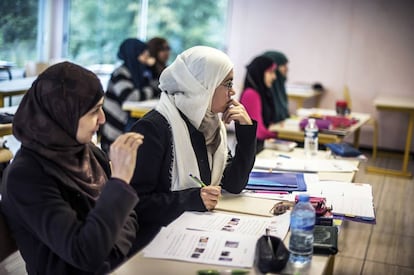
pixel 228 85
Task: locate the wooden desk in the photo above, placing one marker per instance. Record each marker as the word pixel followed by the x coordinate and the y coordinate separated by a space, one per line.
pixel 403 105
pixel 290 130
pixel 21 85
pixel 138 264
pixel 299 93
pixel 138 109
pixel 14 87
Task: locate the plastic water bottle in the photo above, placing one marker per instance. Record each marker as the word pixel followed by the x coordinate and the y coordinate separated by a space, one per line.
pixel 302 223
pixel 311 138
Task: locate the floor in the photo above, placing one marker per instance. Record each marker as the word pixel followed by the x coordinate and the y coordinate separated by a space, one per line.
pixel 388 246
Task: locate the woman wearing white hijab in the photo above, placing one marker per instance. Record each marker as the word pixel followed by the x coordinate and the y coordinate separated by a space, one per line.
pixel 185 136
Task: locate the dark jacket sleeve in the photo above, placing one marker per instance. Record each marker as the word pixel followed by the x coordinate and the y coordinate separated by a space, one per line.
pixel 34 200
pixel 152 179
pixel 238 167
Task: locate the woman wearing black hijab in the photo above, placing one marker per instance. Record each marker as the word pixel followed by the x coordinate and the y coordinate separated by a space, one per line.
pixel 129 82
pixel 67 212
pixel 280 98
pixel 257 96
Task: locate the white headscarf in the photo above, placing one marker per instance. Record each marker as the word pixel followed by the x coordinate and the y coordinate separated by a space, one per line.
pixel 190 82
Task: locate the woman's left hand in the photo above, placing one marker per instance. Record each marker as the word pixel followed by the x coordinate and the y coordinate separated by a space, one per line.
pixel 236 111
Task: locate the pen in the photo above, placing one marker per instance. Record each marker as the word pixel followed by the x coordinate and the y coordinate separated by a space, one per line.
pixel 197 180
pixel 283 156
pixel 222 272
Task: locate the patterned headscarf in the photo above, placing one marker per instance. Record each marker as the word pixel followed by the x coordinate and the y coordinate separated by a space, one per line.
pixel 47 121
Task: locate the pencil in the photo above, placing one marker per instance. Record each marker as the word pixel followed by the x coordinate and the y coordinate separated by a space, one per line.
pixel 197 180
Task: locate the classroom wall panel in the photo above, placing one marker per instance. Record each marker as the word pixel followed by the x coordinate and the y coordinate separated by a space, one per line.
pixel 368 45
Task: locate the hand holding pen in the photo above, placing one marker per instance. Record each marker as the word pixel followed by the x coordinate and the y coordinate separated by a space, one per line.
pixel 209 194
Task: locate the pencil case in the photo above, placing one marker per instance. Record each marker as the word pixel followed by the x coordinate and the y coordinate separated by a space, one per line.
pixel 271 254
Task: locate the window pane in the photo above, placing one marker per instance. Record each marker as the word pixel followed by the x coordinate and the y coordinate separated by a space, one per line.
pixel 18 30
pixel 186 23
pixel 97 28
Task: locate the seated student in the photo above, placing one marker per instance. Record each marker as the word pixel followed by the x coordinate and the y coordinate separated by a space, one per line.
pixel 160 50
pixel 67 212
pixel 185 136
pixel 279 88
pixel 257 96
pixel 131 82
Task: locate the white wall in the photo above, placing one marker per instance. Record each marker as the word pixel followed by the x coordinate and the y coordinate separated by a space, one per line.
pixel 368 45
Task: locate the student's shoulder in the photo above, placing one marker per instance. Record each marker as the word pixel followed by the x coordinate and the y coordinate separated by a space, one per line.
pixel 154 121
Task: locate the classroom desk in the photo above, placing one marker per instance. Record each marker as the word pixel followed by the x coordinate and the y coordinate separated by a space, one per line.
pixel 289 129
pixel 300 153
pixel 299 93
pixel 138 109
pixel 320 264
pixel 6 129
pixel 14 87
pixel 21 85
pixel 403 105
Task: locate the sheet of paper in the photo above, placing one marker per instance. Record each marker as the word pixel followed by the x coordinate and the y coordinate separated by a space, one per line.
pixel 240 224
pixel 219 248
pixel 305 165
pixel 348 199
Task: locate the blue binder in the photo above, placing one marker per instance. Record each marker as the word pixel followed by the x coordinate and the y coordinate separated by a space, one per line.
pixel 276 181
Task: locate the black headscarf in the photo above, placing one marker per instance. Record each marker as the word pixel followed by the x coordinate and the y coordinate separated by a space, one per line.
pixel 279 96
pixel 255 79
pixel 129 51
pixel 47 121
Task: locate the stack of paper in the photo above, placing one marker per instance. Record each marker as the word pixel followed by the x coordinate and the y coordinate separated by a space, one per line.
pixel 214 238
pixel 350 200
pixel 305 165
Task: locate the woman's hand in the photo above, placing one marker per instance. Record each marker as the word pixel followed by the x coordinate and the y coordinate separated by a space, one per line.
pixel 210 196
pixel 236 112
pixel 123 155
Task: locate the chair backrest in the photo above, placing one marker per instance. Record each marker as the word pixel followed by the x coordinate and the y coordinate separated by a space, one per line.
pixel 7 243
pixel 35 68
pixel 347 96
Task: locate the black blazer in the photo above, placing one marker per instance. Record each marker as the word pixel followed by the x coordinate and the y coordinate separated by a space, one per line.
pixel 158 205
pixel 59 230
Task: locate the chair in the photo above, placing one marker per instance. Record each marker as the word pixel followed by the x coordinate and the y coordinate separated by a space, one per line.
pixel 34 68
pixel 8 245
pixel 372 122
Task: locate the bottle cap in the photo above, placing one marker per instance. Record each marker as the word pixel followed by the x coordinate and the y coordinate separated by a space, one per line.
pixel 303 197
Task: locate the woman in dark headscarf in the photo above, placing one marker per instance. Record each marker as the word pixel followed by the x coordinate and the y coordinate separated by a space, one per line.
pixel 279 94
pixel 159 49
pixel 59 194
pixel 257 96
pixel 129 82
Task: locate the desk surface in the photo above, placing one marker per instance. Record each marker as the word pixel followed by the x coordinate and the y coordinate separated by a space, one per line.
pixel 139 264
pixel 289 129
pixel 392 102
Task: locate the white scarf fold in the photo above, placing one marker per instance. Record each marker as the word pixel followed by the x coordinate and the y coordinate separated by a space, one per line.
pixel 189 84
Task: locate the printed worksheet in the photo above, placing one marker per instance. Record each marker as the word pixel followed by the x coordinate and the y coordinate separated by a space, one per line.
pixel 242 224
pixel 208 247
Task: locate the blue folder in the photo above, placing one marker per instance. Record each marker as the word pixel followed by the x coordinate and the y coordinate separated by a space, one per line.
pixel 274 181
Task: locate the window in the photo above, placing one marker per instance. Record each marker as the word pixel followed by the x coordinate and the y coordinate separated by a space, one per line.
pixel 18 30
pixel 97 28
